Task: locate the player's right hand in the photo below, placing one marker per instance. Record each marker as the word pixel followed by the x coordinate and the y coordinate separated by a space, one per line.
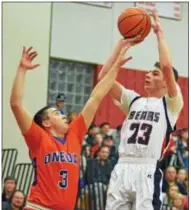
pixel 123 42
pixel 27 58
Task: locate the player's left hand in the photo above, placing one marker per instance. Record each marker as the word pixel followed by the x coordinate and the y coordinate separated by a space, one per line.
pixel 157 28
pixel 121 60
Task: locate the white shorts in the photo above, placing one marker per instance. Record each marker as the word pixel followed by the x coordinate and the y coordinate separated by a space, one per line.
pixel 135 186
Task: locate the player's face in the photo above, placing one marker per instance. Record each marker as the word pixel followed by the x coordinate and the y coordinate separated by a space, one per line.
pixel 154 81
pixel 56 121
pixel 10 185
pixel 18 200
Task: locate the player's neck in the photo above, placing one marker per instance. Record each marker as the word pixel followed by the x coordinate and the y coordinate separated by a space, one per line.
pixel 157 94
pixel 57 134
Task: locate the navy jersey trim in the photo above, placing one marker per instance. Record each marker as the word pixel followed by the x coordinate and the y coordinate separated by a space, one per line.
pixel 137 97
pixel 169 127
pixel 156 202
pixel 62 141
pixel 34 164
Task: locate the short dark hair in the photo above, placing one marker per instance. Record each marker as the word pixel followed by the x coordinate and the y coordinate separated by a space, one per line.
pixel 157 64
pixel 61 97
pixel 92 126
pixel 108 137
pixel 7 178
pixel 119 127
pixel 103 124
pixel 41 115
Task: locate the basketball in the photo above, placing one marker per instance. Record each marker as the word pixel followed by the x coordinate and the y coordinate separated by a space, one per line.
pixel 133 22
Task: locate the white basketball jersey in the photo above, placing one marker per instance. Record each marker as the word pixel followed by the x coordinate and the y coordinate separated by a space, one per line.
pixel 145 126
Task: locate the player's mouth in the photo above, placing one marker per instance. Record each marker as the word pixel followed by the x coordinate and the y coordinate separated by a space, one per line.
pixel 147 82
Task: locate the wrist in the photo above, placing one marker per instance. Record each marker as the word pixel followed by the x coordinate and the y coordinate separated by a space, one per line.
pixel 22 68
pixel 160 35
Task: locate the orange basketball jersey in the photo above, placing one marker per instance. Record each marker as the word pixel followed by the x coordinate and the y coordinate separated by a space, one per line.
pixel 56 165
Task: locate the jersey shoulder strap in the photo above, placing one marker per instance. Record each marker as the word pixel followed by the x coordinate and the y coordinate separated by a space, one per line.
pixel 137 97
pixel 169 127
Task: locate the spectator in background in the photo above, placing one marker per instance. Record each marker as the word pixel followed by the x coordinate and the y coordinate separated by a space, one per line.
pixel 170 179
pixel 72 116
pixel 98 143
pixel 92 131
pixel 178 202
pixel 184 146
pixel 9 187
pixel 108 141
pixel 180 149
pixel 85 156
pixel 16 202
pixel 60 102
pixel 97 178
pixel 116 136
pixel 172 192
pixel 105 129
pixel 181 178
pixel 99 169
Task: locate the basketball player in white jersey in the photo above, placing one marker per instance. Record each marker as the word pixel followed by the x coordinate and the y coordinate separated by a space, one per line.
pixel 136 180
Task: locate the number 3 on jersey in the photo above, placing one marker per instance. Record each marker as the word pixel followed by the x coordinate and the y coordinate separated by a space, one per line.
pixel 144 139
pixel 64 183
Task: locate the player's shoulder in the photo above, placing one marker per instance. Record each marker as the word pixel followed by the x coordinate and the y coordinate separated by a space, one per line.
pixel 34 130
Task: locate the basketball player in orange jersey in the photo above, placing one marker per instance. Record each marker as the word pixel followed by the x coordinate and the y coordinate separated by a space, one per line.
pixel 54 145
pixel 136 180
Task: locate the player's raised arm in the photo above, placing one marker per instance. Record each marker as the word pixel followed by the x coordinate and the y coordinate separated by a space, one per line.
pixel 103 87
pixel 24 119
pixel 116 90
pixel 164 57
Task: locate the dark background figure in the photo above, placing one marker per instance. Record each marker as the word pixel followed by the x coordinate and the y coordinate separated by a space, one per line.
pixel 170 179
pixel 179 158
pixel 113 157
pixel 9 187
pixel 16 202
pixel 99 169
pixel 90 137
pixel 105 129
pixel 60 99
pixel 97 178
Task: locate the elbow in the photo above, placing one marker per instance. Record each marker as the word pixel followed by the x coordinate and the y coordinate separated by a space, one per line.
pixel 167 66
pixel 14 104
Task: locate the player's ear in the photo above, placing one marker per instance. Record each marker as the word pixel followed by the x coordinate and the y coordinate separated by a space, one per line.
pixel 46 123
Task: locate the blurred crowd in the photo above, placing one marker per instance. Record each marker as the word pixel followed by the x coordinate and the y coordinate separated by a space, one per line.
pixel 100 154
pixel 12 199
pixel 98 158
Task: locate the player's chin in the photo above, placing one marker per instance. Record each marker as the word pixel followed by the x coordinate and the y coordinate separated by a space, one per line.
pixel 146 87
pixel 66 126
